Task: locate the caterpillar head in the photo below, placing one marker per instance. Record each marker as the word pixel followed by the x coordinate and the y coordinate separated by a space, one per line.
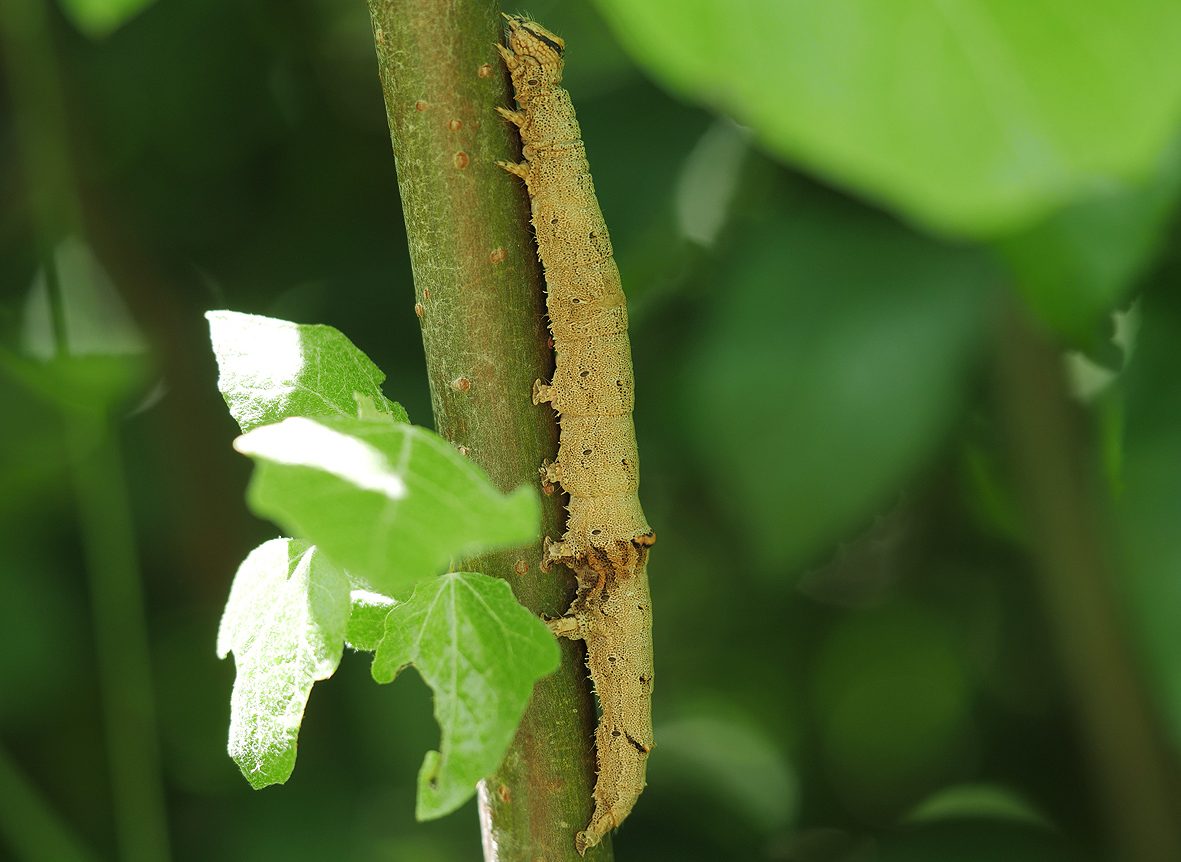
pixel 534 57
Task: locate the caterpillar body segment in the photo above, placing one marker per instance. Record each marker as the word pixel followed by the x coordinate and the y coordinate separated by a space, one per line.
pixel 607 537
pixel 612 613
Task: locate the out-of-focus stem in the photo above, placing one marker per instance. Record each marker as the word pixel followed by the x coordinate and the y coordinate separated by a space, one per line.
pixel 116 599
pixel 104 514
pixel 34 85
pixel 1132 767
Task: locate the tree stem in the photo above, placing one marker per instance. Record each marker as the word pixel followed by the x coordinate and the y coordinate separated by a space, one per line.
pixel 1058 478
pixel 479 297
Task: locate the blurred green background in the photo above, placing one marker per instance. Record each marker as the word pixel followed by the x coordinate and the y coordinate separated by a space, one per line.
pixel 855 658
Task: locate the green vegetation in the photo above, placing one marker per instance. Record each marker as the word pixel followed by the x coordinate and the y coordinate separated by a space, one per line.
pixel 338 464
pixel 905 322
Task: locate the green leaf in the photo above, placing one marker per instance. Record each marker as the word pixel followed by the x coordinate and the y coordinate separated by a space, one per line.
pixel 737 771
pixel 481 653
pixel 367 619
pixel 99 18
pixel 94 319
pixel 971 801
pixel 80 349
pixel 272 369
pixel 1076 266
pixel 285 624
pixel 392 503
pixel 973 117
pixel 835 361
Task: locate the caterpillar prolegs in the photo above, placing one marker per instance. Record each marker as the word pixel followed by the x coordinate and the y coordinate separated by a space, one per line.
pixel 607 537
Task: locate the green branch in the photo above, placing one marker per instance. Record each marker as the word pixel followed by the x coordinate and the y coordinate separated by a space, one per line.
pixel 479 296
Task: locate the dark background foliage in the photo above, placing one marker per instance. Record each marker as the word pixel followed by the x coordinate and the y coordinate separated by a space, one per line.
pixel 854 660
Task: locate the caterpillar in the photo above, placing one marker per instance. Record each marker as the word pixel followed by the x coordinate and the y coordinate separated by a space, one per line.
pixel 607 536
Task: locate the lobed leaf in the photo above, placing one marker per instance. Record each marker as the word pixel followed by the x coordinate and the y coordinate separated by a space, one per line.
pixel 272 369
pixel 481 653
pixel 285 624
pixel 392 503
pixel 367 619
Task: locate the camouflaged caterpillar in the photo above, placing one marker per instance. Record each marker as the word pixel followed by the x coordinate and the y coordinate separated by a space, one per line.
pixel 607 537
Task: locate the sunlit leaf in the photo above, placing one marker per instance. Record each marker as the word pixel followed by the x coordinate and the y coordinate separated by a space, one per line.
pixel 392 503
pixel 272 369
pixel 367 619
pixel 481 653
pixel 285 624
pixel 972 117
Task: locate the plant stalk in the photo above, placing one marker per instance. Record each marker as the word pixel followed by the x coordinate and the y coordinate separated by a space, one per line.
pixel 1058 479
pixel 104 514
pixel 478 287
pixel 122 643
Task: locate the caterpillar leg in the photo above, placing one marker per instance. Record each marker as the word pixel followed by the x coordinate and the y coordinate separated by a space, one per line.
pixel 517 118
pixel 551 472
pixel 553 552
pixel 542 392
pixel 510 59
pixel 519 169
pixel 568 627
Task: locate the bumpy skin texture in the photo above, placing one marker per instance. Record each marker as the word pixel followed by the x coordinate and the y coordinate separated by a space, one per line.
pixel 607 536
